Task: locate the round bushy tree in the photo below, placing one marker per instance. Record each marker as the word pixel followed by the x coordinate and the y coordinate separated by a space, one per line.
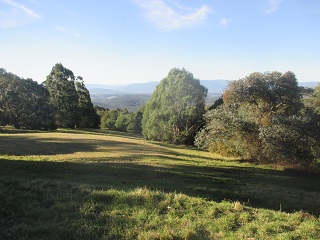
pixel 263 118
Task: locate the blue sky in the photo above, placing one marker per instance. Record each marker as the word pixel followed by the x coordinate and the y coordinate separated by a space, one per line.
pixel 124 41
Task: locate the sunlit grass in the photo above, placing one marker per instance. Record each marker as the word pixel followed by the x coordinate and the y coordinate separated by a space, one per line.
pixel 95 184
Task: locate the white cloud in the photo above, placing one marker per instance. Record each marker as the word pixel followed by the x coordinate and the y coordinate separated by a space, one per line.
pixel 67 30
pixel 273 5
pixel 225 22
pixel 16 15
pixel 170 15
pixel 22 8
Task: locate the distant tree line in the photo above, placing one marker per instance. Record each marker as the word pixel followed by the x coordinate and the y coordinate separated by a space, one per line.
pixel 131 102
pixel 121 120
pixel 60 101
pixel 265 117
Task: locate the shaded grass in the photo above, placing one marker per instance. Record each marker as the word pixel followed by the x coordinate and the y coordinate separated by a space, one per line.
pixel 41 209
pixel 99 184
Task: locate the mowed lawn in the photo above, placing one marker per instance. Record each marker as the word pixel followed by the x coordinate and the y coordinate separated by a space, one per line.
pixel 97 184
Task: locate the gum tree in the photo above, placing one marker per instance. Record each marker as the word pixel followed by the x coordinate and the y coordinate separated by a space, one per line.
pixel 175 110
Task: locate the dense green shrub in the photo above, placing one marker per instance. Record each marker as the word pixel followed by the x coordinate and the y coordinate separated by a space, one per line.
pixel 263 118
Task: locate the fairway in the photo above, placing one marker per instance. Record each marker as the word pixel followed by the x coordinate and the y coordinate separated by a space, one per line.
pixel 95 184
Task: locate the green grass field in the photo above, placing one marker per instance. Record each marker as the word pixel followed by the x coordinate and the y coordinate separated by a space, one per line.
pixel 106 185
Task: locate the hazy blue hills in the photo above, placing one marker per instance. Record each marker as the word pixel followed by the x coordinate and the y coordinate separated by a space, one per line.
pixel 134 88
pixel 135 95
pixel 102 91
pixel 214 86
pixel 132 102
pixel 308 84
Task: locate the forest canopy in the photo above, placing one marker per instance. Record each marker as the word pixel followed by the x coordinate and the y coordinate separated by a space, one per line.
pixel 61 101
pixel 24 103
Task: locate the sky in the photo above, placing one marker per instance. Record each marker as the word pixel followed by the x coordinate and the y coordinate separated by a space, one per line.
pixel 131 41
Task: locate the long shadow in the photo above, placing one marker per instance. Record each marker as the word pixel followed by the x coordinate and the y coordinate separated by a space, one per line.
pixel 26 145
pixel 20 145
pixel 41 209
pixel 261 188
pixel 165 146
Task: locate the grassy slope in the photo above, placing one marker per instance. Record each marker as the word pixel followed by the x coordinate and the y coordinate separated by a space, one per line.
pixel 98 184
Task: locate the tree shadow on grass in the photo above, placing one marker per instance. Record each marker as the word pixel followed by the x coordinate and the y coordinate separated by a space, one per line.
pixel 157 166
pixel 181 148
pixel 46 209
pixel 261 188
pixel 23 145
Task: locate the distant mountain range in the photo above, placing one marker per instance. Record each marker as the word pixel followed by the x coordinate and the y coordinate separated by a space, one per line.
pixel 308 84
pixel 134 88
pixel 214 86
pixel 135 95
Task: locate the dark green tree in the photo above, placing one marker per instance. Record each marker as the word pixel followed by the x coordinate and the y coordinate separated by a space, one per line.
pixel 122 121
pixel 175 110
pixel 87 115
pixel 312 113
pixel 137 121
pixel 216 104
pixel 63 96
pixel 6 93
pixel 313 99
pixel 24 103
pixel 109 119
pixel 133 122
pixel 130 122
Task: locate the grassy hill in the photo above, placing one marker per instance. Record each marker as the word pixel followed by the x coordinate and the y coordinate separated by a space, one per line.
pixel 105 185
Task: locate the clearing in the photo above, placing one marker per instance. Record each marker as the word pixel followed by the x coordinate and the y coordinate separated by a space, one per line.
pixel 98 184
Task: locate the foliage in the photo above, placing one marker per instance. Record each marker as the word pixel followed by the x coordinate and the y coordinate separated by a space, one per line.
pixel 63 96
pixel 175 109
pixel 313 99
pixel 216 103
pixel 263 118
pixel 70 100
pixel 24 103
pixel 87 115
pixel 121 120
pixel 131 102
pixel 109 118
